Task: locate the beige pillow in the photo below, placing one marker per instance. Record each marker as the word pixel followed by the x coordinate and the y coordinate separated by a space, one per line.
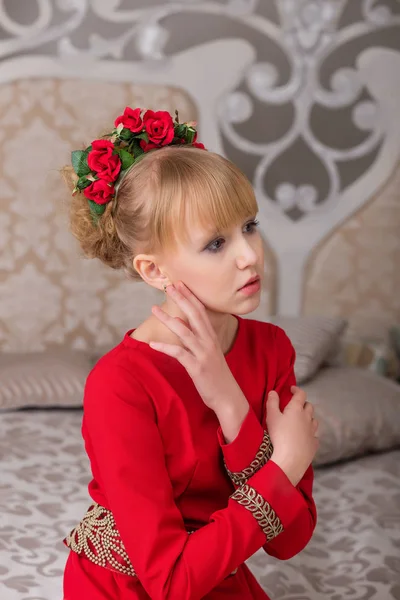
pixel 358 412
pixel 315 339
pixel 43 379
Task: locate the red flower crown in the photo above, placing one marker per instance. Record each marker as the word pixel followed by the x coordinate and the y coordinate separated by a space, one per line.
pixel 101 167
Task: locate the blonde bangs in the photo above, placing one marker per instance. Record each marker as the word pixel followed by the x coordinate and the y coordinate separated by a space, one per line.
pixel 198 188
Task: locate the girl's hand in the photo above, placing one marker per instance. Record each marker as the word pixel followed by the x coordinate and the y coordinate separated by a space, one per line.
pixel 201 355
pixel 293 433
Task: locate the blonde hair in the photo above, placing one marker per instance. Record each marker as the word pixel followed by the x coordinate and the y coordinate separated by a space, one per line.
pixel 166 189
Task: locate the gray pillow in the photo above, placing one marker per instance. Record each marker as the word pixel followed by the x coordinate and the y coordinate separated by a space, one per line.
pixel 358 412
pixel 43 379
pixel 315 339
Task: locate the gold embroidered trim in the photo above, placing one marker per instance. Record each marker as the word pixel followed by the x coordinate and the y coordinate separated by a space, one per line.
pixel 97 537
pixel 263 455
pixel 261 510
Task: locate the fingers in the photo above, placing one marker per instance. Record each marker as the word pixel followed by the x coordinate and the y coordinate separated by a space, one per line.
pixel 176 325
pixel 272 402
pixel 193 309
pixel 185 291
pixel 298 393
pixel 309 409
pixel 181 355
pixel 183 322
pixel 299 400
pixel 299 397
pixel 315 425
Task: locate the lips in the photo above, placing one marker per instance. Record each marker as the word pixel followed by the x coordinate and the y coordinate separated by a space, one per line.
pixel 252 280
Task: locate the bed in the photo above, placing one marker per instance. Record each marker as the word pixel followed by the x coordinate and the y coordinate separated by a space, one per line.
pixel 354 553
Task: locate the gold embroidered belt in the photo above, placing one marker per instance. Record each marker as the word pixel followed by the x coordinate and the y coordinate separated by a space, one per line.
pixel 97 538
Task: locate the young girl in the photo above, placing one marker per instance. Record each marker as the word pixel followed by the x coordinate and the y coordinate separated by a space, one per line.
pixel 199 442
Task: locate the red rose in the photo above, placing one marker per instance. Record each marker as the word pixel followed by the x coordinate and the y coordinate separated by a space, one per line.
pixel 130 119
pixel 102 161
pixel 197 144
pixel 147 146
pixel 99 191
pixel 159 127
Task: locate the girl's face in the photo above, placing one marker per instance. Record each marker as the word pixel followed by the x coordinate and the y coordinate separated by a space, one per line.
pixel 214 265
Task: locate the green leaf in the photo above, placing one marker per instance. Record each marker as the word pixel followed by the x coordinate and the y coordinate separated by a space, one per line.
pixel 126 134
pixel 136 149
pixel 83 183
pixel 189 136
pixel 142 136
pixel 79 162
pixel 180 130
pixel 126 159
pixel 96 209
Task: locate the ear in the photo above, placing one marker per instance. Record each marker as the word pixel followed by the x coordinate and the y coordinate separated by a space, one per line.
pixel 147 267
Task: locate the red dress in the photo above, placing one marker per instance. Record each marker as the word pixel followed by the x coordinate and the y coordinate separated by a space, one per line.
pixel 176 509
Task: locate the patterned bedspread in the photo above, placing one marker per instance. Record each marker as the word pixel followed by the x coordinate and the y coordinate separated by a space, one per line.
pixel 354 554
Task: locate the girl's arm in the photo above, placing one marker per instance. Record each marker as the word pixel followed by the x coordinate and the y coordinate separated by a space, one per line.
pixel 252 449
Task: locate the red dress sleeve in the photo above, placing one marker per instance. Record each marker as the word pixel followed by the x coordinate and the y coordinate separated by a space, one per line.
pixel 127 454
pixel 252 448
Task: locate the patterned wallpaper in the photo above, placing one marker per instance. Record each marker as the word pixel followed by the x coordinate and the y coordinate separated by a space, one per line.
pixel 356 272
pixel 314 122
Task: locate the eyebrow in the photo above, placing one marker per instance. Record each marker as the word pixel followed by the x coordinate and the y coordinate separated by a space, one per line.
pixel 211 236
pixel 207 238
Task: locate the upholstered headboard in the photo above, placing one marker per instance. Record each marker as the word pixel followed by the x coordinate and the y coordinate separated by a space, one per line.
pixel 318 264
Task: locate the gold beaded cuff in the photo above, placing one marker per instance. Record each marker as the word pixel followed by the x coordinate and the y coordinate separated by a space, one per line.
pixel 97 538
pixel 263 455
pixel 263 513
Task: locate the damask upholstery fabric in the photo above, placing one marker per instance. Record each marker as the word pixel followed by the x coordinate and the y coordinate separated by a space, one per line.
pixel 354 273
pixel 44 474
pixel 358 412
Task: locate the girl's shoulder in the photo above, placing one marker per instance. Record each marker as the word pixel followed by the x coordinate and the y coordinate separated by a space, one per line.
pixel 268 336
pixel 121 377
pixel 265 330
pixel 131 364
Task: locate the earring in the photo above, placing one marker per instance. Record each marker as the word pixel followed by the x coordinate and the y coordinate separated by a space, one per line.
pixel 165 288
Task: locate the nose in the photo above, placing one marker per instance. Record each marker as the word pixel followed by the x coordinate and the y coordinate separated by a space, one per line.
pixel 247 255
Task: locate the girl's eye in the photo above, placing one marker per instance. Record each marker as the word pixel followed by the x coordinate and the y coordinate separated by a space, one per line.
pixel 253 225
pixel 214 248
